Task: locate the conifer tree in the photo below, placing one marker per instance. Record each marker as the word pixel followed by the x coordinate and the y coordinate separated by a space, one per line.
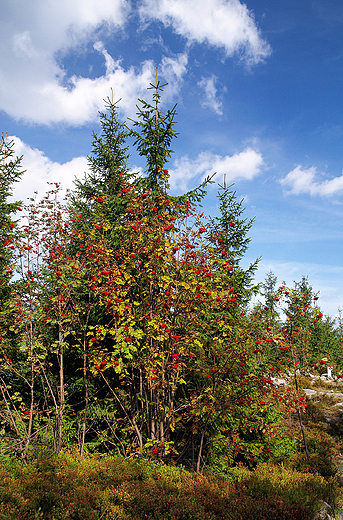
pixel 269 289
pixel 155 136
pixel 109 156
pixel 108 177
pixel 233 231
pixel 272 295
pixel 10 172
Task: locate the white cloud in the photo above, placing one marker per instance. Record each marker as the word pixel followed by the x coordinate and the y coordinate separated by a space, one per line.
pixel 244 165
pixel 49 26
pixel 33 86
pixel 211 101
pixel 35 36
pixel 40 170
pixel 225 24
pixel 302 180
pixel 32 36
pixel 50 102
pixel 22 45
pixel 172 71
pixel 81 103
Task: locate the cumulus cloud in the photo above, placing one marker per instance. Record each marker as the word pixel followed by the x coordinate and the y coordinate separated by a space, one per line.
pixel 33 85
pixel 80 101
pixel 306 180
pixel 32 35
pixel 211 101
pixel 240 166
pixel 40 170
pixel 35 38
pixel 226 24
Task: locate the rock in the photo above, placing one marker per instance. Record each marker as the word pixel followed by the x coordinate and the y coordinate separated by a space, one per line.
pixel 330 393
pixel 278 381
pixel 324 513
pixel 309 392
pixel 337 395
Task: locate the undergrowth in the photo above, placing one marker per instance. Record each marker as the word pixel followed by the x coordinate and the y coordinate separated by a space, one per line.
pixel 112 488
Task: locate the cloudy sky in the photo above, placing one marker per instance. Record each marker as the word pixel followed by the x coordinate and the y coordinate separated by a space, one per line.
pixel 259 93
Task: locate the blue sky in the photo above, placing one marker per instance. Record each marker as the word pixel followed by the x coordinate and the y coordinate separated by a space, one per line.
pixel 259 94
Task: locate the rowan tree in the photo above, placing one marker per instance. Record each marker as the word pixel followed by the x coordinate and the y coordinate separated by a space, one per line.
pixel 132 323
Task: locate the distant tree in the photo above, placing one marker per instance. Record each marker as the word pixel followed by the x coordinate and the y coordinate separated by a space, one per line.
pixel 271 295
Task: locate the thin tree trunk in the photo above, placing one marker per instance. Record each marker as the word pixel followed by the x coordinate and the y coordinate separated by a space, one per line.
pixel 131 421
pixel 298 409
pixel 55 405
pixel 29 428
pixel 31 385
pixel 200 451
pixel 85 380
pixel 300 420
pixel 61 391
pixel 13 419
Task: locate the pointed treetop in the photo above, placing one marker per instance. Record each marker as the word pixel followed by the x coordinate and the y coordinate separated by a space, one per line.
pixel 154 135
pixel 109 157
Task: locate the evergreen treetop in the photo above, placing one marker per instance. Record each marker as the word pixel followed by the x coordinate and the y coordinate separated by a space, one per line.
pixel 155 136
pixel 108 177
pixel 108 161
pixel 10 172
pixel 233 232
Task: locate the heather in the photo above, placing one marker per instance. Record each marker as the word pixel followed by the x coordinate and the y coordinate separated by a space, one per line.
pixel 112 487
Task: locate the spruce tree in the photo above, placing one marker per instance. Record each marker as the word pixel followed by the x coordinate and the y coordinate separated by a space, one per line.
pixel 108 178
pixel 109 157
pixel 272 295
pixel 233 231
pixel 10 172
pixel 154 138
